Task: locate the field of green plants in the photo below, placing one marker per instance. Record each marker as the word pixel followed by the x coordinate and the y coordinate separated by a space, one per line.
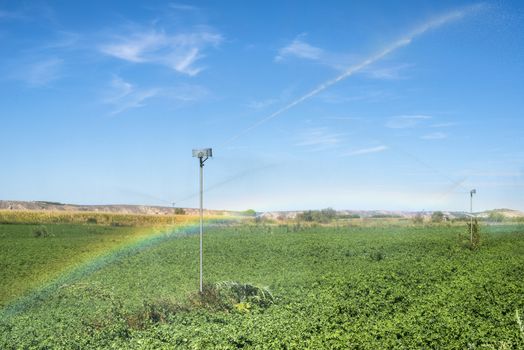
pixel 267 287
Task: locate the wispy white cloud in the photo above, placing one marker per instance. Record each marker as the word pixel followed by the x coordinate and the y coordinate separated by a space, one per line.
pixel 124 96
pixel 434 136
pixel 10 15
pixel 31 11
pixel 267 102
pixel 471 173
pixel 39 73
pixel 362 151
pixel 344 118
pixel 443 125
pixel 405 121
pixel 182 7
pixel 184 93
pixel 262 103
pixel 369 96
pixel 320 139
pixel 179 52
pixel 301 49
pixel 393 72
pixel 495 184
pixel 63 40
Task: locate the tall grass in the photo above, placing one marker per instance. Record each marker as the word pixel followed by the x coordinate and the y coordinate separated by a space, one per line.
pixel 108 219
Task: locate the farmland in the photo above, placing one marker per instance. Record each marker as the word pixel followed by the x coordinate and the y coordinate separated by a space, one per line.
pixel 349 286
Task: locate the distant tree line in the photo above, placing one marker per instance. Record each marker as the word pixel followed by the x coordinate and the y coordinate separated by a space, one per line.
pixel 385 216
pixel 348 216
pixel 494 216
pixel 322 216
pixel 249 212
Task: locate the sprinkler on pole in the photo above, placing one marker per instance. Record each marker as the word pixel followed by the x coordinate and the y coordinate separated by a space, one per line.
pixel 471 193
pixel 203 155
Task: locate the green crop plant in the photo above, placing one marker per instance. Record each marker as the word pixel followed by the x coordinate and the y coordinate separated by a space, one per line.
pixel 473 229
pixel 322 288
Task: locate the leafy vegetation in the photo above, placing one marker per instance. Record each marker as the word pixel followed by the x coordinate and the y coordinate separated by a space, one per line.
pixel 385 216
pixel 180 211
pixel 473 230
pixel 437 216
pixel 296 287
pixel 418 219
pixel 349 216
pixel 495 216
pixel 321 216
pixel 249 212
pixel 28 262
pixel 41 231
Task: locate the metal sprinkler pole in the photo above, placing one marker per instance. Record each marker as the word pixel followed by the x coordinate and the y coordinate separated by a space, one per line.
pixel 471 216
pixel 471 193
pixel 201 216
pixel 202 155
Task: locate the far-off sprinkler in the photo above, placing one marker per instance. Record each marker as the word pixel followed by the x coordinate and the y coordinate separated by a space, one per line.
pixel 471 193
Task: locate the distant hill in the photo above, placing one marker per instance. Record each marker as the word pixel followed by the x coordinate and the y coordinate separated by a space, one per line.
pixel 509 213
pixel 160 210
pixel 111 208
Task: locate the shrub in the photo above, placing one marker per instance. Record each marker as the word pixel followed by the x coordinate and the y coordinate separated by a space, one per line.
pixel 41 231
pixel 349 216
pixel 323 216
pixel 418 219
pixel 437 217
pixel 153 312
pixel 249 212
pixel 474 234
pixel 245 293
pixel 377 255
pixel 180 211
pixel 496 216
pixel 328 214
pixel 262 220
pixel 231 295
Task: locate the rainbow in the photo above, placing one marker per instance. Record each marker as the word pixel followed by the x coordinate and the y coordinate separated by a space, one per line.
pixel 143 242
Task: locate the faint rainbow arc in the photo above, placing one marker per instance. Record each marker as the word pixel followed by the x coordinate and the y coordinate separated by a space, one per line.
pixel 102 260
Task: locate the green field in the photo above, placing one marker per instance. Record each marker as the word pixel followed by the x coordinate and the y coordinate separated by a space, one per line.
pixel 346 287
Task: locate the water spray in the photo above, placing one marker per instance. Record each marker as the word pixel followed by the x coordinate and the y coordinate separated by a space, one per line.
pixel 405 41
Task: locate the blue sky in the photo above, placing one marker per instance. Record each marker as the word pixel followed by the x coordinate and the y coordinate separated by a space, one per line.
pixel 307 104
